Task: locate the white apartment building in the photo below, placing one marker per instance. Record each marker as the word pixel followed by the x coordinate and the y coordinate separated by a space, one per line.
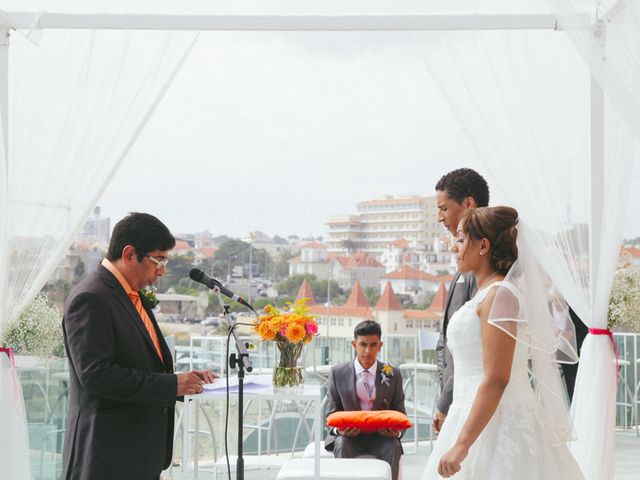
pixel 312 259
pixel 381 222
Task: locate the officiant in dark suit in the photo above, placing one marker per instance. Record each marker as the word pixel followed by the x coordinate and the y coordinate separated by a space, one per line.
pixel 456 192
pixel 366 384
pixel 122 385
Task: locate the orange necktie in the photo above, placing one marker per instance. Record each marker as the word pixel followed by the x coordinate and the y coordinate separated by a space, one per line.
pixel 135 298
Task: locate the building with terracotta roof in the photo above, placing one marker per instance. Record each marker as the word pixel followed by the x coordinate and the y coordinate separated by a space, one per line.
pixel 416 283
pixel 182 247
pixel 306 292
pixel 340 320
pixel 358 267
pixel 202 254
pixel 629 256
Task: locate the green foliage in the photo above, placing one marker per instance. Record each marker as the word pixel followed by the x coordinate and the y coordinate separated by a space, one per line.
pixel 57 292
pixel 624 303
pixel 38 330
pixel 406 301
pixel 281 269
pixel 79 270
pixel 260 303
pixel 373 295
pixel 427 300
pixel 349 245
pixel 187 290
pixel 178 270
pixel 441 272
pixel 233 253
pixel 281 302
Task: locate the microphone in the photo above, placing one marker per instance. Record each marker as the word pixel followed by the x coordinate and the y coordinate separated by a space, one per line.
pixel 201 277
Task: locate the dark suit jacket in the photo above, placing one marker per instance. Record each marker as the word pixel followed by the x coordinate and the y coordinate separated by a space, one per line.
pixel 121 395
pixel 342 395
pixel 459 294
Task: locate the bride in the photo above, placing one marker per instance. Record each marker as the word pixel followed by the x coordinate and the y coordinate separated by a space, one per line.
pixel 509 417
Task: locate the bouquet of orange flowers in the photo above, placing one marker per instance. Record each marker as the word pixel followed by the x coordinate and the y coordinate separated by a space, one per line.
pixel 293 325
pixel 291 329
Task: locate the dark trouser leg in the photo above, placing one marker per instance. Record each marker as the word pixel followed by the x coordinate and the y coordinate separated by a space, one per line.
pixel 349 447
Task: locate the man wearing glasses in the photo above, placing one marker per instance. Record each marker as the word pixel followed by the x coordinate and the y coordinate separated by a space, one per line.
pixel 122 385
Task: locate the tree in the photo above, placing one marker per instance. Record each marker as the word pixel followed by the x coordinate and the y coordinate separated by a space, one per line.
pixel 372 294
pixel 349 245
pixel 220 239
pixel 178 270
pixel 290 285
pixel 279 240
pixel 281 269
pixel 235 253
pixel 78 271
pixel 427 300
pixel 187 290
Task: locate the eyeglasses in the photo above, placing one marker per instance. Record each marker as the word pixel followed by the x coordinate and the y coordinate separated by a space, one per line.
pixel 160 262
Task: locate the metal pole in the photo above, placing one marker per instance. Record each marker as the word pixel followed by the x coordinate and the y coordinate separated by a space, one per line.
pixel 309 19
pixel 4 172
pixel 250 271
pixel 597 186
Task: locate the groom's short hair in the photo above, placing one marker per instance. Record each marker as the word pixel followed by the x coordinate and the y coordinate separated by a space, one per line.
pixel 368 327
pixel 465 182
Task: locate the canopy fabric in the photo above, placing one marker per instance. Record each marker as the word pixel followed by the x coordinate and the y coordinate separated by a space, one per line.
pixel 581 261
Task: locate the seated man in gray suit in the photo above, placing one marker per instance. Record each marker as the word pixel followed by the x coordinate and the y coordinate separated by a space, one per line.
pixel 366 384
pixel 456 192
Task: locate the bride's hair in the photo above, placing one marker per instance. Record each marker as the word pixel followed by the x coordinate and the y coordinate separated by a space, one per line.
pixel 498 225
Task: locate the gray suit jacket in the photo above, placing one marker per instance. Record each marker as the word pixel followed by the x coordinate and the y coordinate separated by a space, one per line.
pixel 121 395
pixel 460 292
pixel 342 395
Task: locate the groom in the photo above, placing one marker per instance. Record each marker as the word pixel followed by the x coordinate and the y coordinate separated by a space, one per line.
pixel 366 384
pixel 456 192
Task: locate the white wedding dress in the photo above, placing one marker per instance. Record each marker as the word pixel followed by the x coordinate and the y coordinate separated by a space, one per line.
pixel 515 443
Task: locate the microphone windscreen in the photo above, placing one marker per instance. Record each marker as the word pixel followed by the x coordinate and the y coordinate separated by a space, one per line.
pixel 196 274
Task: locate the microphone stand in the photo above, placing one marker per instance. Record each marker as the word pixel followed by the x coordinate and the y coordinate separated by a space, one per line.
pixel 242 362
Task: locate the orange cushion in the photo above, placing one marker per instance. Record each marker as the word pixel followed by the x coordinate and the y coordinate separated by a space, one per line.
pixel 369 420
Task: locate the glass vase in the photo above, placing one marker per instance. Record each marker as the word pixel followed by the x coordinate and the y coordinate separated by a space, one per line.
pixel 288 372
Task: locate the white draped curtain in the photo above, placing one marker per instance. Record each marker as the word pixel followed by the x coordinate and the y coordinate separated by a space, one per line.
pixel 523 100
pixel 608 45
pixel 77 102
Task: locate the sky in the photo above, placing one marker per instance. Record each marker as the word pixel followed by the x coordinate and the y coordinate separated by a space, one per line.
pixel 279 131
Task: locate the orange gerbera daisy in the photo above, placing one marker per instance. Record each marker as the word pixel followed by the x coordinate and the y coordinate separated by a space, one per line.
pixel 265 331
pixel 295 333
